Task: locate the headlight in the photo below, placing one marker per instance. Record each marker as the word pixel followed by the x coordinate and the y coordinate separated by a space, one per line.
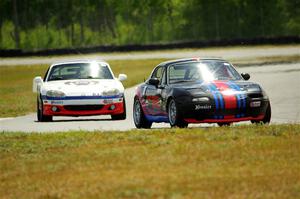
pixel 54 93
pixel 111 92
pixel 197 92
pixel 254 88
pixel 201 99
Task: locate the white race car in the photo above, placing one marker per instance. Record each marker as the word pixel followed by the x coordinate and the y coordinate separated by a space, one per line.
pixel 80 88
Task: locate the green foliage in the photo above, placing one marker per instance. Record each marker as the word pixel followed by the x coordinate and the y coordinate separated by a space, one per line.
pixel 72 23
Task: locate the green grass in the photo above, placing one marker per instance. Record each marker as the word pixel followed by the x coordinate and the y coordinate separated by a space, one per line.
pixel 16 93
pixel 228 162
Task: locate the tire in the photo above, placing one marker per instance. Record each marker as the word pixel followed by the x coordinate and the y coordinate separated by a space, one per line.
pixel 139 118
pixel 40 116
pixel 121 116
pixel 174 117
pixel 267 117
pixel 220 124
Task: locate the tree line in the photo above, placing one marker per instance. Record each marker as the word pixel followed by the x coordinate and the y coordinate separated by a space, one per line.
pixel 44 24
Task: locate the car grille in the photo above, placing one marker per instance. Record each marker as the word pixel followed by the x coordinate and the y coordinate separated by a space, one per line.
pixel 255 95
pixel 83 107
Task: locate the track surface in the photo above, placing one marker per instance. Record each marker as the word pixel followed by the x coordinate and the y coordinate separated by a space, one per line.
pixel 229 53
pixel 281 82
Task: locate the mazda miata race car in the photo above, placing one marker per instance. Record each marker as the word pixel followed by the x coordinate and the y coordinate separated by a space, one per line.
pixel 80 88
pixel 197 90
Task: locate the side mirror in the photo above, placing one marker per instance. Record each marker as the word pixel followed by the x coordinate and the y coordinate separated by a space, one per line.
pixel 122 77
pixel 154 81
pixel 37 81
pixel 246 76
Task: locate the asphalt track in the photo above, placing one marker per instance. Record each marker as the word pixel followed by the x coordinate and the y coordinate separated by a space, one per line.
pixel 281 82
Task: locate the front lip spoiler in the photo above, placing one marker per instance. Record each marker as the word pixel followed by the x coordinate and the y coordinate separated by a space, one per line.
pixel 228 119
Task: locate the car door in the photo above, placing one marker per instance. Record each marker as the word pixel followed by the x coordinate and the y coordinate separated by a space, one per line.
pixel 153 94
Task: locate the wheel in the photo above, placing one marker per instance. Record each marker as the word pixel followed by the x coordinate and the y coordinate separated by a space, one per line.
pixel 121 116
pixel 40 116
pixel 267 117
pixel 174 117
pixel 224 124
pixel 139 118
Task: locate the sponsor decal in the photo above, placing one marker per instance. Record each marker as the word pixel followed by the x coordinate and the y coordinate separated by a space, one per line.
pixel 201 107
pixel 57 102
pixel 108 101
pixel 81 83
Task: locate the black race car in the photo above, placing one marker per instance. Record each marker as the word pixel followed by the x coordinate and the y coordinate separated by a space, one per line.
pixel 198 90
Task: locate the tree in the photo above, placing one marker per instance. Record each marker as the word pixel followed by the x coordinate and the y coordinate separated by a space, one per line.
pixel 16 24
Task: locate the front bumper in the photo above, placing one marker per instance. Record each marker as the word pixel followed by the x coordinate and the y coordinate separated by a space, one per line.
pixel 194 112
pixel 83 107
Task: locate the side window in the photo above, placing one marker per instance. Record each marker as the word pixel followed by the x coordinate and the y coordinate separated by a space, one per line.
pixel 163 79
pixel 46 74
pixel 158 73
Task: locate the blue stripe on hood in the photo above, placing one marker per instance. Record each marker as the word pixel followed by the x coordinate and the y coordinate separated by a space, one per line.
pixel 215 96
pixel 242 96
pixel 218 93
pixel 238 96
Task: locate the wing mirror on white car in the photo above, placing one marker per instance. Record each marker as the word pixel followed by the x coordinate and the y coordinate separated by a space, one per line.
pixel 122 77
pixel 37 81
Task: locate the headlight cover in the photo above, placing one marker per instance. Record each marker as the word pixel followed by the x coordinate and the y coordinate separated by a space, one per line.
pixel 111 92
pixel 55 93
pixel 254 88
pixel 200 99
pixel 197 92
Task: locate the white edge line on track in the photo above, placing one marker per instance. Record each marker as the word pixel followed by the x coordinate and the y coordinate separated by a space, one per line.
pixel 6 118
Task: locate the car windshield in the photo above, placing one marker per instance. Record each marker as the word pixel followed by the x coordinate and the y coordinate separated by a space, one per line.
pixel 202 71
pixel 79 71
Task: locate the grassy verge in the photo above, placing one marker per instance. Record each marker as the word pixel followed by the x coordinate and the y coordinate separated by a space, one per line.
pixel 16 93
pixel 228 162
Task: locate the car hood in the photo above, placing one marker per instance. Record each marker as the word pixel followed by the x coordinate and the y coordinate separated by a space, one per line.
pixel 221 86
pixel 82 86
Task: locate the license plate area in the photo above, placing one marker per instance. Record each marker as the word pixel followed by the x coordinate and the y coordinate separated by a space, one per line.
pixel 255 104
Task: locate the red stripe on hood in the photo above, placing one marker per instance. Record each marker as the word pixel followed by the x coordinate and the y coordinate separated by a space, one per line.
pixel 230 100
